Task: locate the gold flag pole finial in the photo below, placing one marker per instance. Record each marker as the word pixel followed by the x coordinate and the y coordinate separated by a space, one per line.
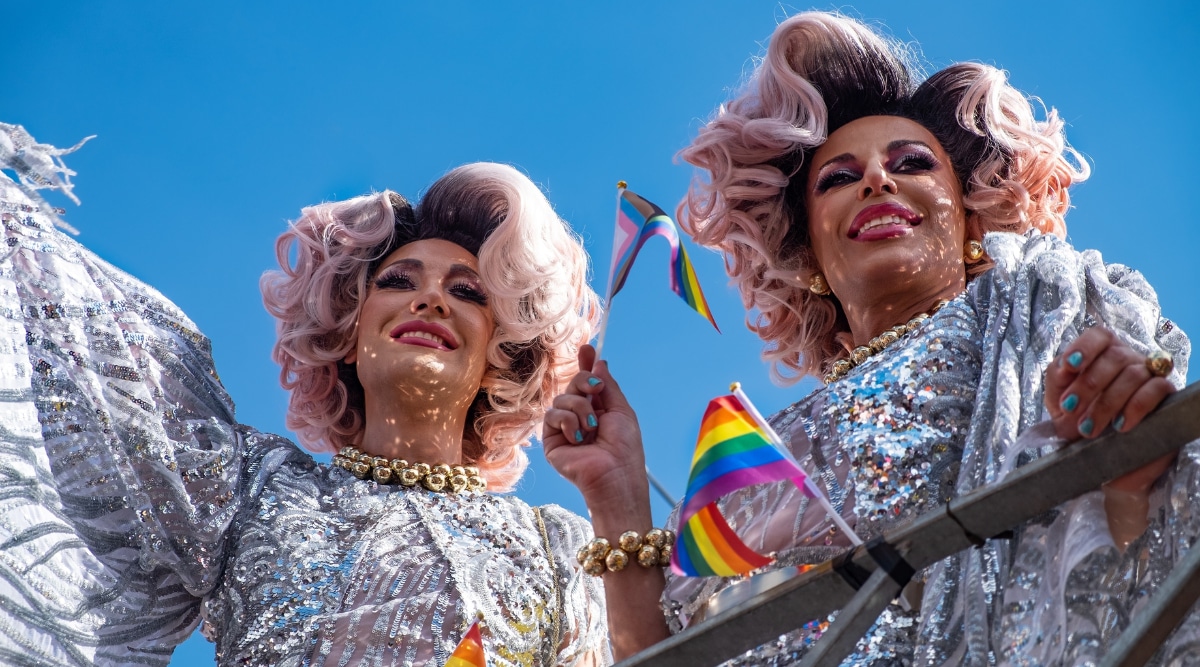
pixel 622 185
pixel 734 386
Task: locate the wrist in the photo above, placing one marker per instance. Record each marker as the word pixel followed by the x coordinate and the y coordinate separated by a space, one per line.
pixel 619 496
pixel 1128 514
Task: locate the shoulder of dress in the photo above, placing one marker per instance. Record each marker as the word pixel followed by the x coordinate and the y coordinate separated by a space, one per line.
pixel 264 453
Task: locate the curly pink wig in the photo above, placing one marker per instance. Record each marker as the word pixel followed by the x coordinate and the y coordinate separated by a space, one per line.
pixel 533 266
pixel 820 72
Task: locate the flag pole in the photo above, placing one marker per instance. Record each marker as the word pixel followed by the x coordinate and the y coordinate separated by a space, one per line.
pixel 736 388
pixel 608 292
pixel 662 490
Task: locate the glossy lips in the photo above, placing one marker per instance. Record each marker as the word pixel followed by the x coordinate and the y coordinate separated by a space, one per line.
pixel 425 334
pixel 882 221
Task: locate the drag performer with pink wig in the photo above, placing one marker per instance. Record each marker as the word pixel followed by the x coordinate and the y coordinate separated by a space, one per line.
pixel 902 240
pixel 420 345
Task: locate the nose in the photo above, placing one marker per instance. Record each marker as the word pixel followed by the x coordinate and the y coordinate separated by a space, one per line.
pixel 430 299
pixel 876 180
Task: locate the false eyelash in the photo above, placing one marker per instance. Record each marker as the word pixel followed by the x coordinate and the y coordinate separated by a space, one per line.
pixel 835 178
pixel 394 280
pixel 469 292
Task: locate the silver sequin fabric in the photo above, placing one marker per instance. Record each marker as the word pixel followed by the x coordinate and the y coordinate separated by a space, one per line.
pixel 133 506
pixel 941 412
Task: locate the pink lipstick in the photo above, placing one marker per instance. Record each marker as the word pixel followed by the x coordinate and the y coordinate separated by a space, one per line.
pixel 425 334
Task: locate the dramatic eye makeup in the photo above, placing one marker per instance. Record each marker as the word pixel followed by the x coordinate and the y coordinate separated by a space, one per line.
pixel 394 277
pixel 462 281
pixel 913 156
pixel 836 177
pixel 905 156
pixel 469 291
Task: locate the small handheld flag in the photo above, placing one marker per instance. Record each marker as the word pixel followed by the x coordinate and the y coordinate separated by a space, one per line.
pixel 639 220
pixel 735 449
pixel 469 652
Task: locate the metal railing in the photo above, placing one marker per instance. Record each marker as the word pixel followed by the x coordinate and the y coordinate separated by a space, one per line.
pixel 985 512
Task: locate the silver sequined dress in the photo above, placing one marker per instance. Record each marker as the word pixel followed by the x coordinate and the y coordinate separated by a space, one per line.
pixel 941 412
pixel 132 505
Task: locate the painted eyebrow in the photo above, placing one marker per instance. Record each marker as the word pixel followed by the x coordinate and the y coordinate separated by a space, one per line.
pixel 416 265
pixel 464 270
pixel 891 147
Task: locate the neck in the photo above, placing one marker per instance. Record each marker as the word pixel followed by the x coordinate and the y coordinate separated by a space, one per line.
pixel 869 319
pixel 429 433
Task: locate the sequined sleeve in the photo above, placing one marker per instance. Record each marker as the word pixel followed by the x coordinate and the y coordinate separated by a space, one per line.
pixel 582 620
pixel 1060 593
pixel 119 444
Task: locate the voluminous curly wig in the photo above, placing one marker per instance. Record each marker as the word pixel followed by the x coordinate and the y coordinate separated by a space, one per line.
pixel 533 267
pixel 822 71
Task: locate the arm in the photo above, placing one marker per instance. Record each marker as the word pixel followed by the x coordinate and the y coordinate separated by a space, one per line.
pixel 592 438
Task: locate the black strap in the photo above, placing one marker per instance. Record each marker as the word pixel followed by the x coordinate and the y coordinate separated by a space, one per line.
pixel 886 558
pixel 890 561
pixel 852 572
pixel 972 537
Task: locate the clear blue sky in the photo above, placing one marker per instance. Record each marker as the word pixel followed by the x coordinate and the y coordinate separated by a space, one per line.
pixel 218 121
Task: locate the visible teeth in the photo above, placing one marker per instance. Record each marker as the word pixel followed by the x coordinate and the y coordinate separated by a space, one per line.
pixel 426 336
pixel 883 221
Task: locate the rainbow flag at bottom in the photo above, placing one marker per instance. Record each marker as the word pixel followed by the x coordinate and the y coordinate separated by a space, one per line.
pixel 469 652
pixel 708 547
pixel 732 452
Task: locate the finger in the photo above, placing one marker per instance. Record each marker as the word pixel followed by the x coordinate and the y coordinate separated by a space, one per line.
pixel 1057 379
pixel 1066 426
pixel 1074 359
pixel 1112 400
pixel 581 407
pixel 564 423
pixel 611 396
pixel 584 383
pixel 1094 380
pixel 1085 349
pixel 1148 397
pixel 587 357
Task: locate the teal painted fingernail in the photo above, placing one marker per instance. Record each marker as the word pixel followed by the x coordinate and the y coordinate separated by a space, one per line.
pixel 1070 402
pixel 578 436
pixel 592 421
pixel 1086 427
pixel 593 381
pixel 1119 422
pixel 1075 359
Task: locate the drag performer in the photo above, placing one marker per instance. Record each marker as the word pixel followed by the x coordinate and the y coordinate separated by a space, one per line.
pixel 422 347
pixel 903 241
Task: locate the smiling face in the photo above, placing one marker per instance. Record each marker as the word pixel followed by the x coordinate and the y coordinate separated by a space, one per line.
pixel 885 212
pixel 424 326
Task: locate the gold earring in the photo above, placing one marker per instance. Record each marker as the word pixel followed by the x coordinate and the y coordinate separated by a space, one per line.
pixel 973 251
pixel 817 284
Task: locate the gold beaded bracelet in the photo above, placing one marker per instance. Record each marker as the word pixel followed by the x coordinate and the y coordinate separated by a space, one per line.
pixel 599 556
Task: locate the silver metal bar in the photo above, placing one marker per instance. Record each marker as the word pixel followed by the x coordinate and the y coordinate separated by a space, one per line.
pixel 1161 616
pixel 853 621
pixel 1029 491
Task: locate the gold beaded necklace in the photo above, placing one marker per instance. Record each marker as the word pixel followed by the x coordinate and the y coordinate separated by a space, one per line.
pixel 876 344
pixel 440 477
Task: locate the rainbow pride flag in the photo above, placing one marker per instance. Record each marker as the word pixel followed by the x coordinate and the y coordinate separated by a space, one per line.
pixel 708 547
pixel 469 652
pixel 732 452
pixel 638 220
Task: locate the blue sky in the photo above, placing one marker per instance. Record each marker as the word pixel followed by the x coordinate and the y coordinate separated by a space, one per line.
pixel 217 122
